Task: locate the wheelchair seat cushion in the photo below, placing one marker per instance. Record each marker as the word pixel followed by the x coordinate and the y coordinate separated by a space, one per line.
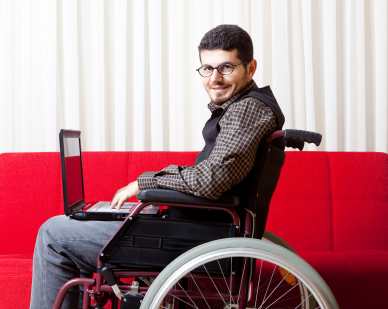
pixel 176 197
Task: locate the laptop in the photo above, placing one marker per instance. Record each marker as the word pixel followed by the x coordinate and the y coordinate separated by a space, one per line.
pixel 73 185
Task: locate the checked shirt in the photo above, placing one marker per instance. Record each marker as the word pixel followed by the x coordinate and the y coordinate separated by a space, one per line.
pixel 242 127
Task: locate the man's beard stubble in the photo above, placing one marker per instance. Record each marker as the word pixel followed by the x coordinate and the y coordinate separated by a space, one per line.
pixel 219 100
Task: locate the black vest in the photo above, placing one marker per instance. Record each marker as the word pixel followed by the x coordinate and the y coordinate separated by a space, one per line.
pixel 212 128
pixel 210 133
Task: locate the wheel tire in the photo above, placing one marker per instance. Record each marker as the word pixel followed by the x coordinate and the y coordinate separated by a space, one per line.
pixel 239 247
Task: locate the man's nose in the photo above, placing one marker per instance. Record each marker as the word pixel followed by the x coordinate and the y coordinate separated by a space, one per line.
pixel 216 76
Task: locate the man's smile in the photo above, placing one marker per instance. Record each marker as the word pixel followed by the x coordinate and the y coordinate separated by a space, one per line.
pixel 219 88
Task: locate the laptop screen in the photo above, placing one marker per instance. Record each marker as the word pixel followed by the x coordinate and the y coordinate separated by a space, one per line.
pixel 71 161
pixel 73 170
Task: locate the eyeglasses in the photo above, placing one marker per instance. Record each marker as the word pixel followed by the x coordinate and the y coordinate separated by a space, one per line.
pixel 223 69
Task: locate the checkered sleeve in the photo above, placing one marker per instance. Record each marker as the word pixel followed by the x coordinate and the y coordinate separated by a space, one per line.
pixel 243 126
pixel 147 180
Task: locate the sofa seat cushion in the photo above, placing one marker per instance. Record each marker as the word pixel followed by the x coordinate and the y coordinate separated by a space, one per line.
pixel 371 262
pixel 351 275
pixel 16 277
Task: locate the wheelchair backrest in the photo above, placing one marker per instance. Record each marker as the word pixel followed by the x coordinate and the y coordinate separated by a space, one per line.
pixel 256 190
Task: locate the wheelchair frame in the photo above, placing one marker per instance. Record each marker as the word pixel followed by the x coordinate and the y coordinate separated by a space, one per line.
pixel 294 139
pixel 96 293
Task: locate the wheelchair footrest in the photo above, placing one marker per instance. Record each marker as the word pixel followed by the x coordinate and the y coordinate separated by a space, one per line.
pixel 129 301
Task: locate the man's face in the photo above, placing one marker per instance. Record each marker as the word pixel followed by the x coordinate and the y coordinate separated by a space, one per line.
pixel 220 87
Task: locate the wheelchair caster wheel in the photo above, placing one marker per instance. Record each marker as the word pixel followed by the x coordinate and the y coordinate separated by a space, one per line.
pixel 129 301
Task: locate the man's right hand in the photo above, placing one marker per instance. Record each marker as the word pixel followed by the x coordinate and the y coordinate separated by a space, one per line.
pixel 124 194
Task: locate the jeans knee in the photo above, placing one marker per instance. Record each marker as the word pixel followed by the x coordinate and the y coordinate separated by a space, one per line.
pixel 51 228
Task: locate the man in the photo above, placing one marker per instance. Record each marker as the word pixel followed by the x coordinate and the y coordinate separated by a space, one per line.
pixel 226 55
pixel 238 123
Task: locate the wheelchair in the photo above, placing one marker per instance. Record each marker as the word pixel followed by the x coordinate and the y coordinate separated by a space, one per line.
pixel 161 262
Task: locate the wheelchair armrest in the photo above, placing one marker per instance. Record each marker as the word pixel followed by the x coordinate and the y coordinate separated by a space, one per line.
pixel 160 196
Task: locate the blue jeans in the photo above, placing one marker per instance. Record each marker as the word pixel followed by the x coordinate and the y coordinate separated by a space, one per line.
pixel 64 248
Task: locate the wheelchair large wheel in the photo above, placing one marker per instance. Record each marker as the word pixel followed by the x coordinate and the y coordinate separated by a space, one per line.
pixel 193 280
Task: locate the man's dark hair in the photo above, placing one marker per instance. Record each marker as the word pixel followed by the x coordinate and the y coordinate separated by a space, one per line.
pixel 228 37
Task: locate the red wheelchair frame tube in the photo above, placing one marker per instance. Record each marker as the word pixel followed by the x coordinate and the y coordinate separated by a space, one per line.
pixel 86 282
pixel 275 135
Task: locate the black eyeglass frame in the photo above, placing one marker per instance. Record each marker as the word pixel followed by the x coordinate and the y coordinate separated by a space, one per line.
pixel 233 65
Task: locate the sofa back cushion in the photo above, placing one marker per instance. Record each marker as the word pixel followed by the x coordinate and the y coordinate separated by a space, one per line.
pixel 300 210
pixel 106 172
pixel 332 201
pixel 30 193
pixel 359 182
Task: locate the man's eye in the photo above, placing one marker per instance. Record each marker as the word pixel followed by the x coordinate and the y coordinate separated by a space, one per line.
pixel 226 67
pixel 207 69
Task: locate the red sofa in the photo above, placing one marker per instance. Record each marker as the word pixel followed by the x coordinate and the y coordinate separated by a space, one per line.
pixel 332 207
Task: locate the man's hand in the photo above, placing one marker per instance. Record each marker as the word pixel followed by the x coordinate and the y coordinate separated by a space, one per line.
pixel 124 194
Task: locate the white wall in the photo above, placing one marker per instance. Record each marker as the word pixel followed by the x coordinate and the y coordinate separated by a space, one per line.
pixel 123 72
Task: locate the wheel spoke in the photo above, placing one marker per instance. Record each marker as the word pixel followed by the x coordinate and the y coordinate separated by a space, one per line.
pixel 199 290
pixel 303 301
pixel 242 276
pixel 265 295
pixel 214 285
pixel 258 283
pixel 182 300
pixel 289 298
pixel 275 288
pixel 231 278
pixel 205 289
pixel 226 283
pixel 275 280
pixel 266 270
pixel 187 295
pixel 283 295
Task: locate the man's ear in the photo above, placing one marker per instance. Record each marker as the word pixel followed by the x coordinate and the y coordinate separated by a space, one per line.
pixel 251 68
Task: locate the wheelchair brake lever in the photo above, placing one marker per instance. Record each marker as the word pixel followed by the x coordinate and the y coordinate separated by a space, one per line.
pixel 109 277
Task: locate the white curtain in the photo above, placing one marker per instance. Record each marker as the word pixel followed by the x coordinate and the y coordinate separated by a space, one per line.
pixel 123 72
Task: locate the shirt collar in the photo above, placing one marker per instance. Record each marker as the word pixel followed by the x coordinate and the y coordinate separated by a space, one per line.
pixel 251 86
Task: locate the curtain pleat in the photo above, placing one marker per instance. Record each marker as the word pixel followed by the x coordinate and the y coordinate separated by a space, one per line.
pixel 329 43
pixel 120 75
pixel 123 71
pixel 26 72
pixel 48 83
pixel 309 67
pixel 381 77
pixel 156 71
pixel 70 64
pixel 140 85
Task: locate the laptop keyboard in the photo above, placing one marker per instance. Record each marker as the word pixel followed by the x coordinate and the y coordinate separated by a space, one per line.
pixel 105 207
pixel 125 208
